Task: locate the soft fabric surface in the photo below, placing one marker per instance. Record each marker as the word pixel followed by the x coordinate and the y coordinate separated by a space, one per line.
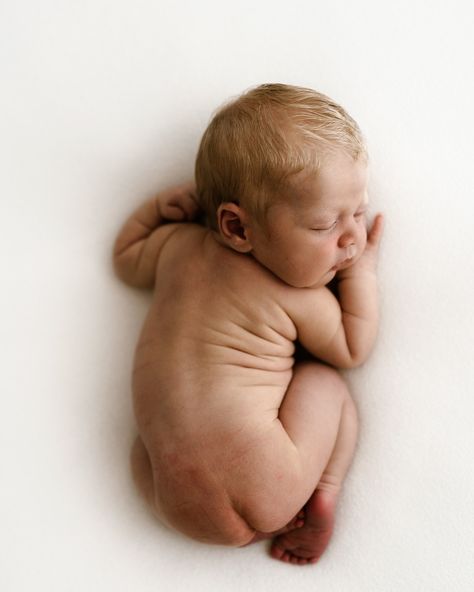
pixel 103 103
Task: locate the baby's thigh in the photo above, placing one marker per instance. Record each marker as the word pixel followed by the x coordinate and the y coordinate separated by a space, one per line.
pixel 283 472
pixel 311 411
pixel 320 417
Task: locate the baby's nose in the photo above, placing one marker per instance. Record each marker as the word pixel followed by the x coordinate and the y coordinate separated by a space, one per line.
pixel 348 243
pixel 346 240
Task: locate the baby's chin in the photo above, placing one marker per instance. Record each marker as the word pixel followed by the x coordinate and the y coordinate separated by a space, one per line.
pixel 323 281
pixel 344 265
pixel 309 283
pixel 306 281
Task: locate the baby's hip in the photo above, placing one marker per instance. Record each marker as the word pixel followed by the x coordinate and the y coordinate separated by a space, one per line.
pixel 225 495
pixel 193 499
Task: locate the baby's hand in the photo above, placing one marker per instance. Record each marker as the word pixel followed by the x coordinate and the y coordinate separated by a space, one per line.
pixel 368 260
pixel 178 204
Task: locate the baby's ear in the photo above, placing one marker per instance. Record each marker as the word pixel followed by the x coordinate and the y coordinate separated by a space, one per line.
pixel 232 223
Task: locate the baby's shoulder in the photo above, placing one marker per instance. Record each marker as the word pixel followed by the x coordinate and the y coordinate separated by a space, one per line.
pixel 184 235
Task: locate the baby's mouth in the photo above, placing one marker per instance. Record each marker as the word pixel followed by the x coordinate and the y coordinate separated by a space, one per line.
pixel 351 252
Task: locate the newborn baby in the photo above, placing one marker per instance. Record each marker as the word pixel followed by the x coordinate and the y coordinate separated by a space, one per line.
pixel 239 440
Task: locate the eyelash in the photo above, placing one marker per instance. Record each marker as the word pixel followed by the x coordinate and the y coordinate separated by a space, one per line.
pixel 357 215
pixel 333 225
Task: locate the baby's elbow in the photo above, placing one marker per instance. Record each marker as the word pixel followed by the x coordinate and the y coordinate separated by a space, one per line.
pixel 126 269
pixel 352 362
pixel 124 266
pixel 356 358
pixel 342 362
pixel 347 362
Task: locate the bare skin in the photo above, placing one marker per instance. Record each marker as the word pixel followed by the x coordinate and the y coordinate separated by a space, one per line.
pixel 238 442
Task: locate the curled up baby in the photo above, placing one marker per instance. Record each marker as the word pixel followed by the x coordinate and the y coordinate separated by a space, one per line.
pixel 239 439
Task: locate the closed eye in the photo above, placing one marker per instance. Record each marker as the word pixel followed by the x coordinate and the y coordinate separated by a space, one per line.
pixel 326 228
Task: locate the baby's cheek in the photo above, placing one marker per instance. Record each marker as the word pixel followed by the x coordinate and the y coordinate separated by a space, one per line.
pixel 327 252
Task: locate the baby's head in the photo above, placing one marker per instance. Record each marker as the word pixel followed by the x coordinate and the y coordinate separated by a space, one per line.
pixel 256 144
pixel 262 151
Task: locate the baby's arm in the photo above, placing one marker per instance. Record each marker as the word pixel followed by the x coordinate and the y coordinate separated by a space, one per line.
pixel 342 331
pixel 357 292
pixel 143 235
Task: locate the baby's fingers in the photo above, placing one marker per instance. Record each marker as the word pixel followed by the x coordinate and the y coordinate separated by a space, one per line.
pixel 188 203
pixel 180 207
pixel 375 233
pixel 173 212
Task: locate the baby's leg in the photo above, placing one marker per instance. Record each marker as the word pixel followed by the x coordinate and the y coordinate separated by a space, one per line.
pixel 320 418
pixel 306 459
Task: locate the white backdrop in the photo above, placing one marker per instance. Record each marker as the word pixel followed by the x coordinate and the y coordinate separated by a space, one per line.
pixel 103 102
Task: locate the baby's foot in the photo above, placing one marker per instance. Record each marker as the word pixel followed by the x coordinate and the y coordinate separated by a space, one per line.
pixel 306 544
pixel 297 522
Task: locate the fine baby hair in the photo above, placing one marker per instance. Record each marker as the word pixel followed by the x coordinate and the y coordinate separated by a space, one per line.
pixel 256 142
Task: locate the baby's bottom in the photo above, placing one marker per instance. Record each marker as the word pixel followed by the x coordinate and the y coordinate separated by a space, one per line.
pixel 303 467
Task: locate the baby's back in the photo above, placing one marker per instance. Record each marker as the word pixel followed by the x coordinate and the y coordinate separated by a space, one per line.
pixel 216 351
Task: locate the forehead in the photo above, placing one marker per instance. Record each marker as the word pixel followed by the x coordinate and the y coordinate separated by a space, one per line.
pixel 340 179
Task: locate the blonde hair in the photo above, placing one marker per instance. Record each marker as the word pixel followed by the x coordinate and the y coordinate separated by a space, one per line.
pixel 256 142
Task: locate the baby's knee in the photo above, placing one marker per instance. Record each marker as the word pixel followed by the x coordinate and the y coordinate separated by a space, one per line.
pixel 330 382
pixel 325 377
